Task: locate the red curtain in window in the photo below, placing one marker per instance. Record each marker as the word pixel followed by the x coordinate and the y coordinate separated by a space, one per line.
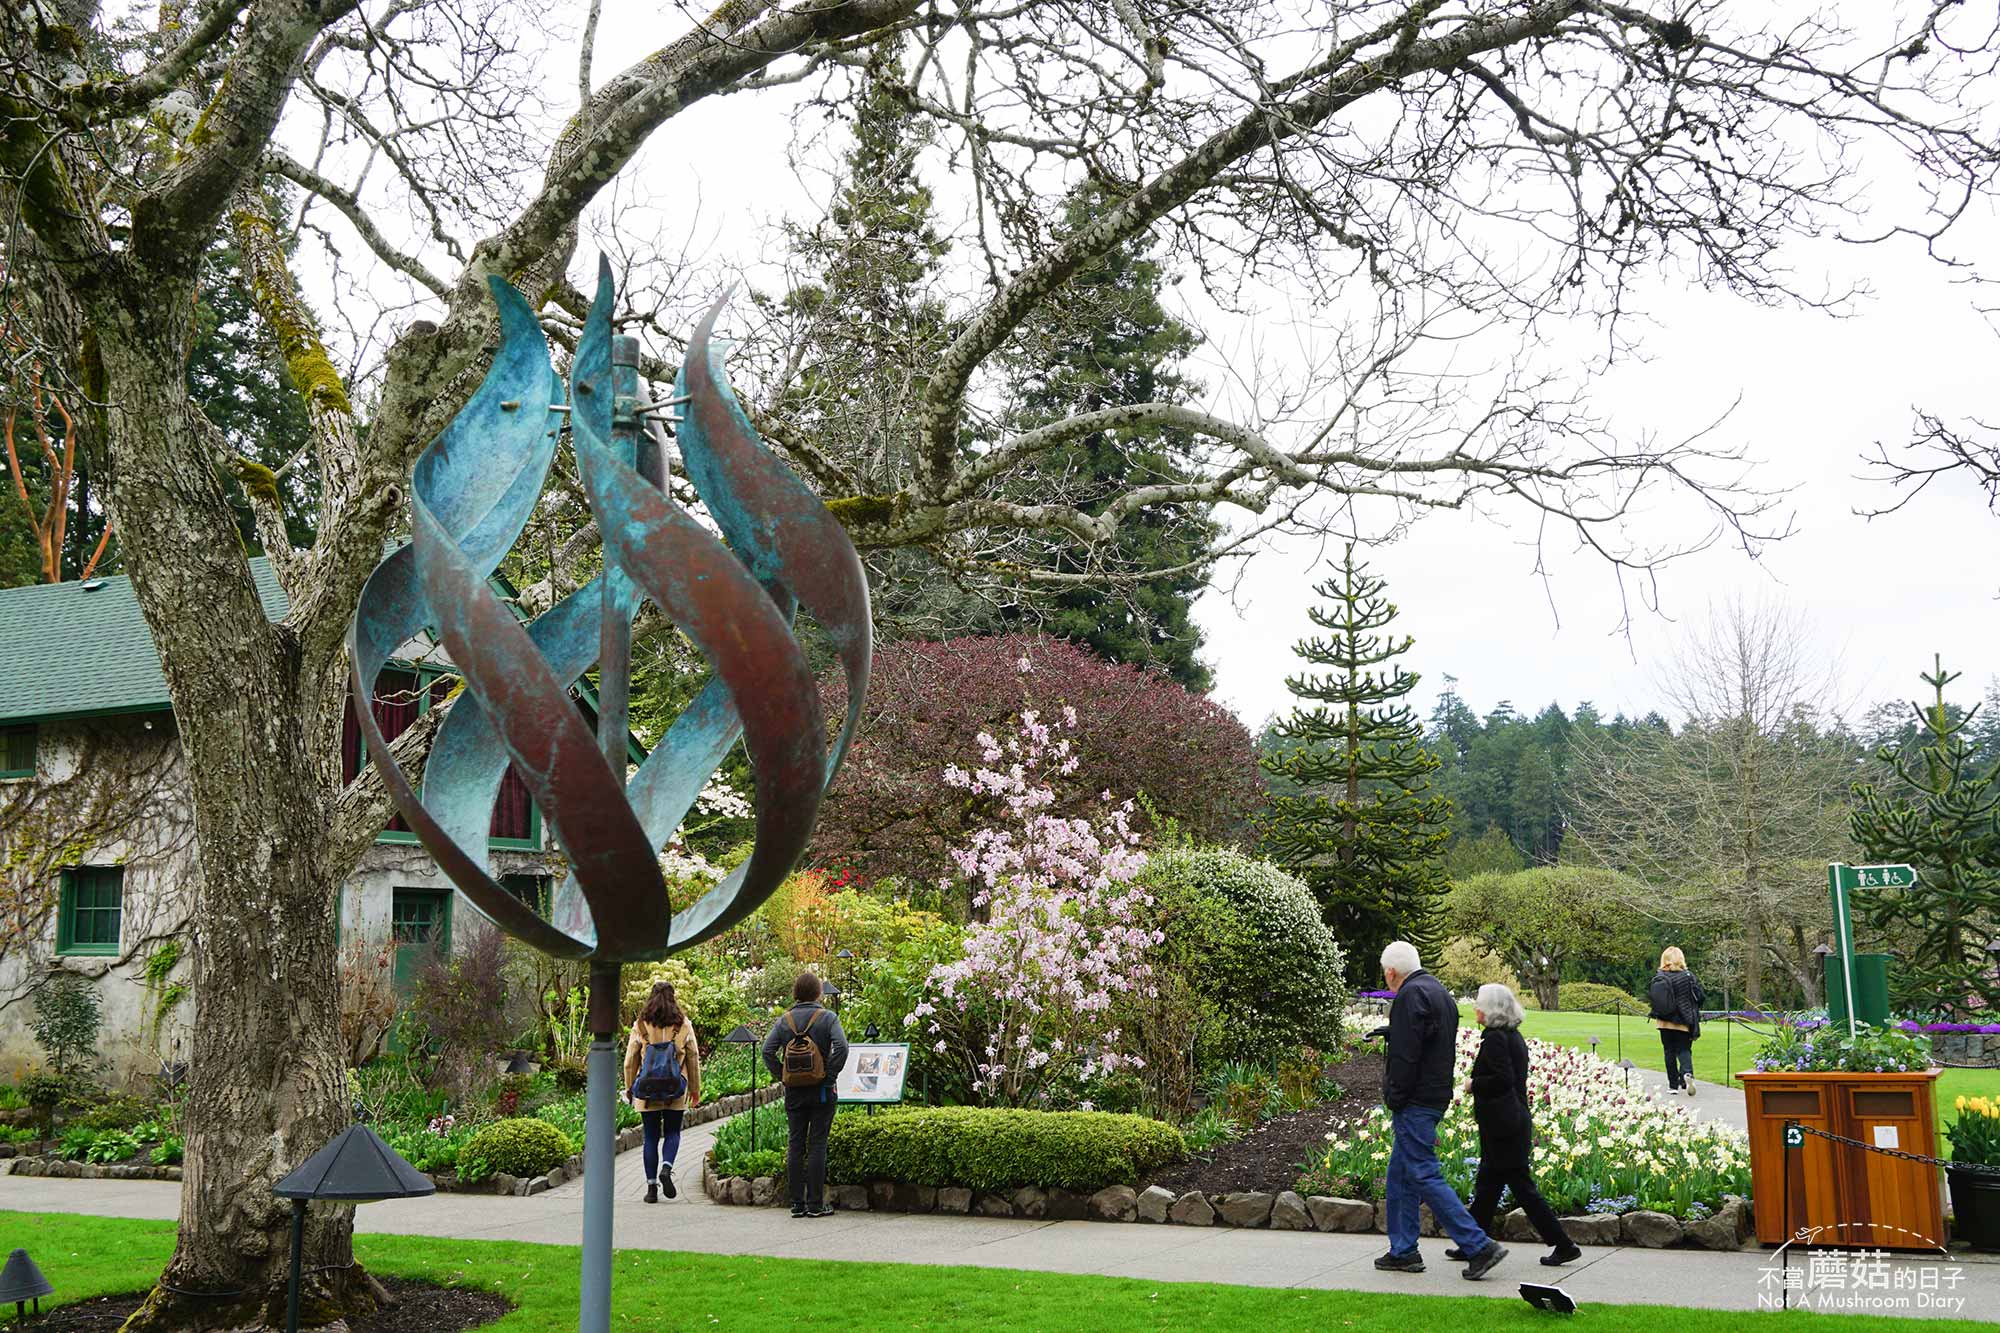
pixel 511 817
pixel 395 709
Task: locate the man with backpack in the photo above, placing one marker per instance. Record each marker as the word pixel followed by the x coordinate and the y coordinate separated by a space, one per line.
pixel 805 1051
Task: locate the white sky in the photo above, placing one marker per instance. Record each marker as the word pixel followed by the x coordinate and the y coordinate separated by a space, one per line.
pixel 1815 391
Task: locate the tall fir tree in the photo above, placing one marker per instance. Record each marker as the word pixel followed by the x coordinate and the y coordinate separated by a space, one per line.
pixel 1940 812
pixel 1365 831
pixel 1105 340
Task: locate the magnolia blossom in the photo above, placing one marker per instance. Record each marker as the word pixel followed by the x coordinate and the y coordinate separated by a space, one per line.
pixel 1064 932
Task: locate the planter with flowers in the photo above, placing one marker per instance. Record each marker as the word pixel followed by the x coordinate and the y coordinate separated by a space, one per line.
pixel 1874 1089
pixel 1975 1194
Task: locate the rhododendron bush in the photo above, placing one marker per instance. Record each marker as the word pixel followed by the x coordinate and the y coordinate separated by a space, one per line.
pixel 1599 1145
pixel 889 814
pixel 1060 932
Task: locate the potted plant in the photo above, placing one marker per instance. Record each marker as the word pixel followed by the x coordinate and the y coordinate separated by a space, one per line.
pixel 1975 1195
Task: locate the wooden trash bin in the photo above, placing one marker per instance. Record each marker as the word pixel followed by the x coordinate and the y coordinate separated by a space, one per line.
pixel 1844 1195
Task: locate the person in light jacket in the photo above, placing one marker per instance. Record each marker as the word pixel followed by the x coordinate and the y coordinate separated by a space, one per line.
pixel 1417 1089
pixel 1507 1125
pixel 1676 998
pixel 808 1109
pixel 662 1021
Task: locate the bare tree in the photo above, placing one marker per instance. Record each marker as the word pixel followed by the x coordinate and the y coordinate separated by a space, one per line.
pixel 1425 168
pixel 1728 823
pixel 1939 450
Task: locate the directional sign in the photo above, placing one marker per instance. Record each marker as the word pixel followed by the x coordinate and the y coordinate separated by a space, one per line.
pixel 1878 877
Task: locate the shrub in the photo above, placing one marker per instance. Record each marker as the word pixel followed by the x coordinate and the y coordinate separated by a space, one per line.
pixel 459 1011
pixel 1250 940
pixel 736 1154
pixel 995 1148
pixel 523 1147
pixel 1592 997
pixel 115 1113
pixel 68 1012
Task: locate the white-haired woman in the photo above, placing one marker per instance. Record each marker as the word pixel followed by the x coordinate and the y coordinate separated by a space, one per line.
pixel 1507 1125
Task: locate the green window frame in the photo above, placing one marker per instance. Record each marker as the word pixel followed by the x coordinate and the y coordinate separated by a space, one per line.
pixel 421 916
pixel 17 751
pixel 92 913
pixel 426 678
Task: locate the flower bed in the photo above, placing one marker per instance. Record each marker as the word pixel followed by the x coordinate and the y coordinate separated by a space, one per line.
pixel 1600 1147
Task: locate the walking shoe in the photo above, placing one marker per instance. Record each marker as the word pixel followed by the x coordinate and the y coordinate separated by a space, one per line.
pixel 1562 1254
pixel 824 1210
pixel 1690 1089
pixel 799 1210
pixel 1479 1265
pixel 667 1183
pixel 1413 1262
pixel 652 1192
pixel 1456 1255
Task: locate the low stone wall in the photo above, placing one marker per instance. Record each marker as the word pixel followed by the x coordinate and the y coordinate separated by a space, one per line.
pixel 500 1184
pixel 1729 1229
pixel 1977 1050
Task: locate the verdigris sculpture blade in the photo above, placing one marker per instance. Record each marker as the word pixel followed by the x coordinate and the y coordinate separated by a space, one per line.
pixel 472 492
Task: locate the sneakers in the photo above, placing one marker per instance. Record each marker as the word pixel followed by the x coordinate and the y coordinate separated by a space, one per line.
pixel 1689 1089
pixel 1561 1255
pixel 824 1210
pixel 652 1192
pixel 799 1210
pixel 667 1183
pixel 1456 1255
pixel 1413 1262
pixel 1479 1265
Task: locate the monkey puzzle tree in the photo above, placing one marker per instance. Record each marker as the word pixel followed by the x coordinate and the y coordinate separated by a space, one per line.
pixel 1940 812
pixel 1359 822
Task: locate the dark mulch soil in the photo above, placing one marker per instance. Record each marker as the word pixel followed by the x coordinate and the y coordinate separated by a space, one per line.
pixel 1267 1158
pixel 420 1308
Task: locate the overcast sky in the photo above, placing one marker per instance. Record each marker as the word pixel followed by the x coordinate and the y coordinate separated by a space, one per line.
pixel 1815 392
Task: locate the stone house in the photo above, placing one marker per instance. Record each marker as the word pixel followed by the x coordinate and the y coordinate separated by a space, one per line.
pixel 97 856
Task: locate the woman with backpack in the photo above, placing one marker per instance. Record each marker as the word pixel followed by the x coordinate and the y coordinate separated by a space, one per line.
pixel 1507 1125
pixel 1676 998
pixel 806 1052
pixel 662 1080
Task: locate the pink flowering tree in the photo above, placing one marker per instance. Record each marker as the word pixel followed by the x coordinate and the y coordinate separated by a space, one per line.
pixel 1061 931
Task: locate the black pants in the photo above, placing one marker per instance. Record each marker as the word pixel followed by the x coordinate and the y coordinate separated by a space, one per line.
pixel 805 1155
pixel 661 1137
pixel 1486 1201
pixel 1679 1047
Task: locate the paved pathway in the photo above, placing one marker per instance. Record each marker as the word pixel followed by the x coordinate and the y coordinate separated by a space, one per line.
pixel 1711 1101
pixel 1149 1253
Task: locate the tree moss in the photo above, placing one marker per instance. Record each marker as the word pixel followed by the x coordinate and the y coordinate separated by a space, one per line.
pixel 305 355
pixel 865 511
pixel 260 481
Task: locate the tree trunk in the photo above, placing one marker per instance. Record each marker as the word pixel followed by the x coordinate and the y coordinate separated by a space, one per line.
pixel 267 1082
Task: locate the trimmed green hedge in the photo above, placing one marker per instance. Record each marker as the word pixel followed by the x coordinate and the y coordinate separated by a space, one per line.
pixel 989 1148
pixel 1593 997
pixel 520 1147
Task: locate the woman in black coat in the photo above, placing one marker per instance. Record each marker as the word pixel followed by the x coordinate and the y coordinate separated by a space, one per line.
pixel 1506 1125
pixel 1676 998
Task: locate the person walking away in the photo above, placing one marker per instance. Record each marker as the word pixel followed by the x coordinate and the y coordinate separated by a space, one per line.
pixel 1676 998
pixel 1417 1088
pixel 806 1051
pixel 662 1081
pixel 1507 1125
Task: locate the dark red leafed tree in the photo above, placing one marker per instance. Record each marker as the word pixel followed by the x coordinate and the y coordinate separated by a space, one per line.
pixel 1141 734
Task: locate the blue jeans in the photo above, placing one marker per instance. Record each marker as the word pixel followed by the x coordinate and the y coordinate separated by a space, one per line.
pixel 662 1139
pixel 1414 1178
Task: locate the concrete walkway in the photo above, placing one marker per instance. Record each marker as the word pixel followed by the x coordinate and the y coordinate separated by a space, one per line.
pixel 1741 1281
pixel 1711 1101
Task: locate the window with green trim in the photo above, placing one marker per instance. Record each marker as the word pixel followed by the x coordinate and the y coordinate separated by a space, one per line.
pixel 530 889
pixel 93 910
pixel 17 752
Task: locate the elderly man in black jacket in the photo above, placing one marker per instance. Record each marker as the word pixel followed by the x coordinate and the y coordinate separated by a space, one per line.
pixel 1417 1088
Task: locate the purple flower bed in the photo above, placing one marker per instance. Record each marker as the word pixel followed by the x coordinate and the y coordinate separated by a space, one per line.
pixel 1376 994
pixel 1983 1028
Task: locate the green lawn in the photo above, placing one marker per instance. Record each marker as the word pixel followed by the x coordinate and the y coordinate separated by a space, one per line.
pixel 1723 1051
pixel 93 1256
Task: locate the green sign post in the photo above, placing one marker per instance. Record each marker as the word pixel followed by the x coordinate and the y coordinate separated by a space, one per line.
pixel 1840 881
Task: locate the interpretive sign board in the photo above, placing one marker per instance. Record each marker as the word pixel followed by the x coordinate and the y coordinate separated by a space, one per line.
pixel 875 1072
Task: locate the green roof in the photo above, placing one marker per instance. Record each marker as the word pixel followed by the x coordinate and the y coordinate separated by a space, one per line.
pixel 78 649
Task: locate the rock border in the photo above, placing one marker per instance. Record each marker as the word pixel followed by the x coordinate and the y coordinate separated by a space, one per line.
pixel 501 1184
pixel 1729 1228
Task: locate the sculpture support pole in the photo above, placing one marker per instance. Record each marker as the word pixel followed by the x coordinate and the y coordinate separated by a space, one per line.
pixel 600 1148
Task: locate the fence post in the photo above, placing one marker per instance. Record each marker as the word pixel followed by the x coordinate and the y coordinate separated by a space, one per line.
pixel 1795 1137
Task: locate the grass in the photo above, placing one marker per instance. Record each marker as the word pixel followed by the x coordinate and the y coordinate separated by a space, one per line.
pixel 1723 1051
pixel 97 1256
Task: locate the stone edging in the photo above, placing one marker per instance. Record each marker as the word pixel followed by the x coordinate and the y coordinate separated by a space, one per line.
pixel 1729 1229
pixel 501 1184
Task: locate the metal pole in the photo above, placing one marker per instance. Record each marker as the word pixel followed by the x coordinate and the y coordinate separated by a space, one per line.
pixel 756 1058
pixel 600 1121
pixel 1845 934
pixel 1728 1036
pixel 298 1264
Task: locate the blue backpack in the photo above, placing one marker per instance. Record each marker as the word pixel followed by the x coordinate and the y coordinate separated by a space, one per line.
pixel 660 1078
